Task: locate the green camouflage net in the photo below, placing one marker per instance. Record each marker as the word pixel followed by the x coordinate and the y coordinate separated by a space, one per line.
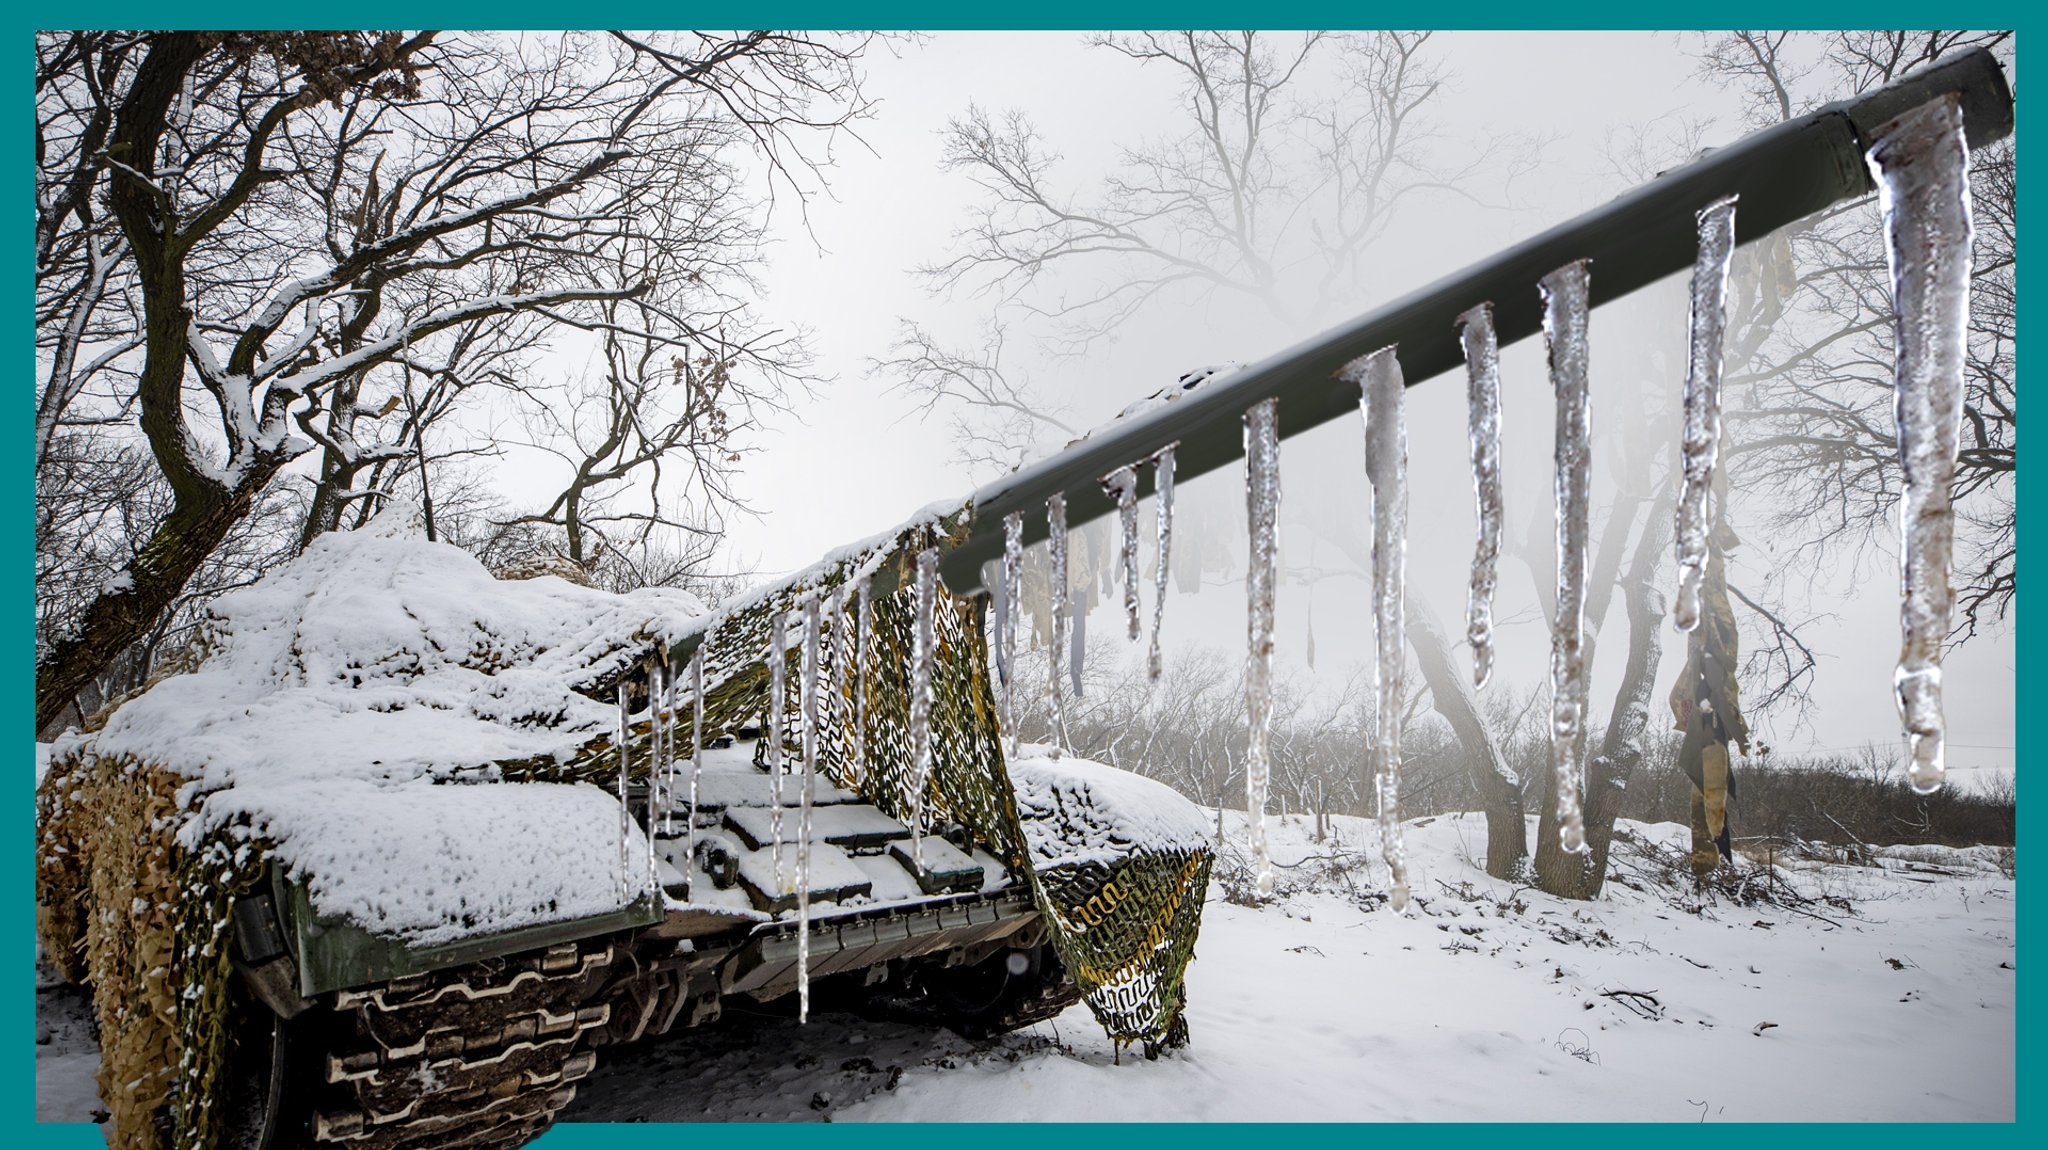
pixel 123 903
pixel 1125 931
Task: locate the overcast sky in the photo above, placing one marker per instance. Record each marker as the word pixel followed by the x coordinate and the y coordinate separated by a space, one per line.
pixel 858 458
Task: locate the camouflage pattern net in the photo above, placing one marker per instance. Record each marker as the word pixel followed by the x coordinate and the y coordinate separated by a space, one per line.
pixel 226 866
pixel 968 785
pixel 121 904
pixel 1125 932
pixel 114 912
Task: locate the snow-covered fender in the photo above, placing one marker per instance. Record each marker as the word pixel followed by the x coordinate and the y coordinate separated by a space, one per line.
pixel 421 876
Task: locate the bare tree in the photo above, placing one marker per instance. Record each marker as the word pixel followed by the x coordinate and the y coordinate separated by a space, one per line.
pixel 659 423
pixel 96 500
pixel 1264 178
pixel 87 309
pixel 304 224
pixel 1498 785
pixel 998 421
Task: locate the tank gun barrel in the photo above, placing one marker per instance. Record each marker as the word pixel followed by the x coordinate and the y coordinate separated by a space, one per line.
pixel 1781 173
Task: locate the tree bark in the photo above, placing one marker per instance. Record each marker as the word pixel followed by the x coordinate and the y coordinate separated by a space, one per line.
pixel 1499 788
pixel 119 617
pixel 1580 876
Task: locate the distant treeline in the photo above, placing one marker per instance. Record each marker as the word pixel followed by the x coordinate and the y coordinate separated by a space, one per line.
pixel 1188 730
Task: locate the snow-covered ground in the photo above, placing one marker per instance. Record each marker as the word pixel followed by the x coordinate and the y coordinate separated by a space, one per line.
pixel 1486 1002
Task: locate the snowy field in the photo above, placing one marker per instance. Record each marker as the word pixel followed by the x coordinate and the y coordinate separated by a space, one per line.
pixel 1486 1002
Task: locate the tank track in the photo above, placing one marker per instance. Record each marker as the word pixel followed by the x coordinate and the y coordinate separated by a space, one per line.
pixel 481 1056
pixel 1048 1001
pixel 1040 997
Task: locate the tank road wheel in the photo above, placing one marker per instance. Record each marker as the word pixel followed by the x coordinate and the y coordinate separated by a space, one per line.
pixel 269 1076
pixel 1006 991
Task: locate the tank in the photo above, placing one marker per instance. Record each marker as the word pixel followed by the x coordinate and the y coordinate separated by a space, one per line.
pixel 395 851
pixel 401 847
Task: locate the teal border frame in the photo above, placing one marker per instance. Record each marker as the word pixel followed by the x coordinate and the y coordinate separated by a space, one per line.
pixel 17 1005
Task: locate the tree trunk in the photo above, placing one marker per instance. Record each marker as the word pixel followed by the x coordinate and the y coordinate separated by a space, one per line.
pixel 1608 771
pixel 337 474
pixel 205 509
pixel 122 615
pixel 340 463
pixel 1499 789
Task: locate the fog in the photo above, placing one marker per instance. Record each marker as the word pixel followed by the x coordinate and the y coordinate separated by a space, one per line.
pixel 860 456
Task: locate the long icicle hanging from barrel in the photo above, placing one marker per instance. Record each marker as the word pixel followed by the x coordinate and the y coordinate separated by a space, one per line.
pixel 1056 542
pixel 1699 443
pixel 660 760
pixel 1121 486
pixel 999 642
pixel 1482 395
pixel 778 647
pixel 1386 468
pixel 1262 511
pixel 696 764
pixel 813 626
pixel 1077 649
pixel 668 785
pixel 923 655
pixel 1921 164
pixel 1162 494
pixel 1564 331
pixel 1013 591
pixel 999 630
pixel 625 812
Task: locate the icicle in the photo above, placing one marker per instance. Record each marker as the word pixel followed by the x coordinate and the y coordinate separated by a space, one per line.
pixel 1699 442
pixel 668 774
pixel 812 627
pixel 923 653
pixel 1386 468
pixel 999 640
pixel 1482 391
pixel 1921 166
pixel 696 760
pixel 1564 330
pixel 657 733
pixel 1013 589
pixel 1079 648
pixel 1122 486
pixel 1162 494
pixel 625 812
pixel 863 627
pixel 1262 507
pixel 1308 639
pixel 778 659
pixel 1056 540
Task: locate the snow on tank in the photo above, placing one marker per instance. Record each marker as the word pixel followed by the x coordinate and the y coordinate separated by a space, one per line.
pixel 334 699
pixel 1077 811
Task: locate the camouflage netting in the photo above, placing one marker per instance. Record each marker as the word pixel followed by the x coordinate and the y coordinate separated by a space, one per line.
pixel 124 905
pixel 1124 925
pixel 1126 929
pixel 134 882
pixel 1127 934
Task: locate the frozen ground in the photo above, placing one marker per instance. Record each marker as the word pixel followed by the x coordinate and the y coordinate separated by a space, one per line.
pixel 1487 1002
